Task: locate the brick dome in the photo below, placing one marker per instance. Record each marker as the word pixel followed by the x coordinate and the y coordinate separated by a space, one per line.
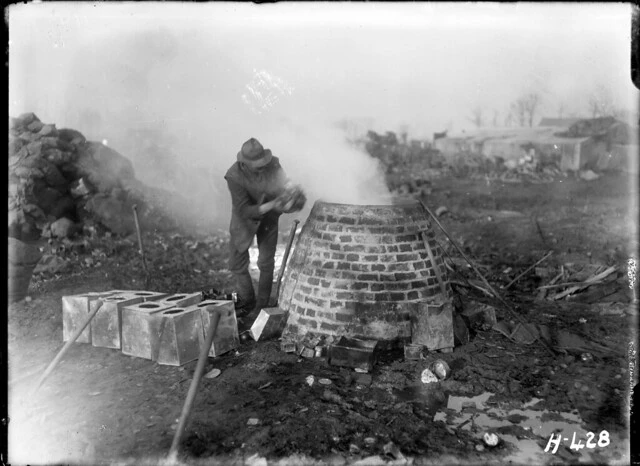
pixel 356 270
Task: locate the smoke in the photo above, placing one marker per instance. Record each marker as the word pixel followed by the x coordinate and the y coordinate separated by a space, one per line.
pixel 179 105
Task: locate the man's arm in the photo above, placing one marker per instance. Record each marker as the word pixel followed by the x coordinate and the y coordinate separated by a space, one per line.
pixel 244 204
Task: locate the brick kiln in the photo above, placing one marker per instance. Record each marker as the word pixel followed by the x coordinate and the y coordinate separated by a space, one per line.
pixel 361 271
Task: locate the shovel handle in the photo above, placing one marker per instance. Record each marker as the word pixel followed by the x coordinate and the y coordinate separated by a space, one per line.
pixel 292 233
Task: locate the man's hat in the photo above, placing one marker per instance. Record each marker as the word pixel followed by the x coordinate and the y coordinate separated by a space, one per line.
pixel 253 154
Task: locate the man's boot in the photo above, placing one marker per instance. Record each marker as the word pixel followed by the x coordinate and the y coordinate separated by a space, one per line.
pixel 265 285
pixel 246 295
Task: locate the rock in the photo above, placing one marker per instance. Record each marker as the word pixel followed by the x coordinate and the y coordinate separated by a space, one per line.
pixel 71 136
pixel 104 167
pixel 113 214
pixel 26 118
pixel 62 228
pixel 51 264
pixel 79 188
pixel 589 175
pixel 440 211
pixel 23 258
pixel 35 126
pixel 48 130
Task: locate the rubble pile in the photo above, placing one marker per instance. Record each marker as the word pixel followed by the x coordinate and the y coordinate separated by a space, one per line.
pixel 59 182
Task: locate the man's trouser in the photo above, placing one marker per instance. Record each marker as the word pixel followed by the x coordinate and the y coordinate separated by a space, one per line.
pixel 267 236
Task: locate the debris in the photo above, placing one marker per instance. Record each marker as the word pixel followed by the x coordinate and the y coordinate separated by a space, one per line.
pixel 288 346
pixel 432 325
pixel 527 271
pixel 307 352
pixel 481 316
pixel 491 439
pixel 479 447
pixel 354 449
pixel 586 357
pixel 391 449
pixel 582 320
pixel 310 380
pixel 370 441
pixel 363 379
pixel 324 381
pixel 440 211
pixel 428 377
pixel 265 385
pixel 353 352
pixel 588 282
pixel 212 374
pixel 253 421
pixel 441 369
pixel 412 352
pixel 269 323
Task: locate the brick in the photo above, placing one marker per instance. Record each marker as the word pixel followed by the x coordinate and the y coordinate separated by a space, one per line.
pixel 347 221
pixel 375 249
pixel 418 284
pixel 398 267
pixel 343 266
pixel 398 296
pixel 412 295
pixel 355 248
pixel 378 268
pixel 353 257
pixel 405 276
pixel 367 276
pixel 315 301
pixel 332 218
pixel 300 310
pixel 328 265
pixel 344 296
pixel 387 239
pixel 358 267
pixel 325 283
pixel 341 317
pixel 360 286
pixel 335 247
pixel 298 297
pixel 382 297
pixel 338 256
pixel 320 218
pixel 335 304
pixel 342 285
pixel 313 281
pixel 420 265
pixel 397 286
pixel 407 257
pixel 308 323
pixel 328 237
pixel 326 326
pixel 305 289
pixel 405 247
pixel 393 248
pixel 377 287
pixel 336 228
pixel 370 258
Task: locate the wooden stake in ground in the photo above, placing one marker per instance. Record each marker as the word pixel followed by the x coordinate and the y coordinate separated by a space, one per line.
pixel 484 280
pixel 66 346
pixel 144 260
pixel 193 388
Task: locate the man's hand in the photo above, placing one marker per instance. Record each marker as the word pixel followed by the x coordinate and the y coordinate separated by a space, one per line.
pixel 266 207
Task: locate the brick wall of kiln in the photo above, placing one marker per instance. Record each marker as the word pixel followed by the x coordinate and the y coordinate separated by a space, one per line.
pixel 358 270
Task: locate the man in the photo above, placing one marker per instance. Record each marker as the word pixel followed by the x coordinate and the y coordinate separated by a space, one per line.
pixel 257 184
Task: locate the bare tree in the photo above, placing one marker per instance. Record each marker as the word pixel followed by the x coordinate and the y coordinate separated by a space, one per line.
pixel 526 107
pixel 562 107
pixel 495 118
pixel 601 103
pixel 509 118
pixel 477 116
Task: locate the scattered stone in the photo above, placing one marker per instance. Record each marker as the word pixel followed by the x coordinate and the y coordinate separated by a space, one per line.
pixel 441 369
pixel 363 379
pixel 440 211
pixel 256 460
pixel 253 421
pixel 310 380
pixel 354 449
pixel 479 447
pixel 324 381
pixel 62 228
pixel 428 377
pixel 490 439
pixel 589 175
pixel 391 449
pixel 212 374
pixel 370 441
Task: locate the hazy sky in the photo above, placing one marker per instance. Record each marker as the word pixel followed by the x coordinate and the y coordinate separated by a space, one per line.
pixel 209 76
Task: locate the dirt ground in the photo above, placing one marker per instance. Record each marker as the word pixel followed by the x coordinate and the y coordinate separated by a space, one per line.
pixel 102 407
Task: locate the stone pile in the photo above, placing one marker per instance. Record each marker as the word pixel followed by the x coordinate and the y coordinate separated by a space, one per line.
pixel 58 181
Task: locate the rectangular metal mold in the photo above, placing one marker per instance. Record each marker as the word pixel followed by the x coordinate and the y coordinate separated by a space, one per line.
pixel 226 337
pixel 138 328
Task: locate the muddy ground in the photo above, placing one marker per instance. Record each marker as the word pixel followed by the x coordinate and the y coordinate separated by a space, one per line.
pixel 102 407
